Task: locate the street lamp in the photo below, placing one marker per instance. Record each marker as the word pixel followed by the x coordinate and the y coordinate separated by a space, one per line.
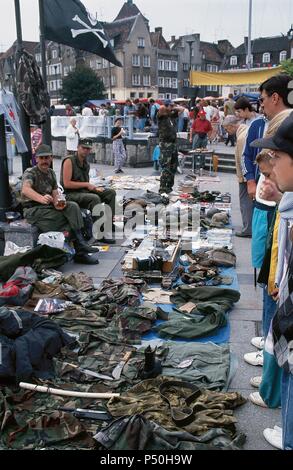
pixel 290 33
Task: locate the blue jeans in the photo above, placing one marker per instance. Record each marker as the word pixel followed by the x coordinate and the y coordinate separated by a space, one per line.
pixel 269 310
pixel 287 410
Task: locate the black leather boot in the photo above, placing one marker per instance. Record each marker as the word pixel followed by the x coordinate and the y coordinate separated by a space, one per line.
pixel 152 366
pixel 80 244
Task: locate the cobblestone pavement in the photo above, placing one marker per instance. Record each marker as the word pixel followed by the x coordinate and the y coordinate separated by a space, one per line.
pixel 244 318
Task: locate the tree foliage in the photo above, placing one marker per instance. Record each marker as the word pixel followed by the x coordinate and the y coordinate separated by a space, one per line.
pixel 287 67
pixel 82 85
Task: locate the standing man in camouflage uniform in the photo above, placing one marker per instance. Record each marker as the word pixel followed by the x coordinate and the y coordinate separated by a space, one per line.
pixel 40 199
pixel 167 115
pixel 75 181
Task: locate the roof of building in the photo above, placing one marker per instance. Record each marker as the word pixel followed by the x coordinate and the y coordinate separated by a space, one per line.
pixel 120 30
pixel 128 10
pixel 211 51
pixel 261 45
pixel 29 46
pixel 159 41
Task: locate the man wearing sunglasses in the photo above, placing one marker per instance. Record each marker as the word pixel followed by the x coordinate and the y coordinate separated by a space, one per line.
pixel 40 199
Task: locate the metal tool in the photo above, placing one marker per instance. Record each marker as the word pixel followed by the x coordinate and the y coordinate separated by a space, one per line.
pixel 119 368
pixel 91 373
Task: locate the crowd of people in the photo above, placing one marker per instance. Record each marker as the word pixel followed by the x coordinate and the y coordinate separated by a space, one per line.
pixel 264 160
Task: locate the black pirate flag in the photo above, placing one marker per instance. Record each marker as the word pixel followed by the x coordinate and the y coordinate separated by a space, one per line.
pixel 68 22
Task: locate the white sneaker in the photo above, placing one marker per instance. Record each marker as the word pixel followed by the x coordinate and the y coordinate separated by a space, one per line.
pixel 274 437
pixel 256 381
pixel 258 342
pixel 254 358
pixel 256 399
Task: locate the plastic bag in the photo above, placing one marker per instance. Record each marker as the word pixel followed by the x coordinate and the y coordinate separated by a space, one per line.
pixel 53 239
pixel 11 248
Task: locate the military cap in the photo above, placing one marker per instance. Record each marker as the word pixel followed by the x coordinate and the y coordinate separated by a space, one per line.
pixel 88 143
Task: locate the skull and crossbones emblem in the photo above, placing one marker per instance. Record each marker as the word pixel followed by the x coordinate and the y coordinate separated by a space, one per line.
pixel 89 29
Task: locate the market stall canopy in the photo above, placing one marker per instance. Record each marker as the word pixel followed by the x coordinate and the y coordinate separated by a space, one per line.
pixel 232 78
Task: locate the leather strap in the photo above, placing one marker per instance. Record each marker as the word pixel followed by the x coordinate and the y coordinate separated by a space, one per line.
pixel 181 416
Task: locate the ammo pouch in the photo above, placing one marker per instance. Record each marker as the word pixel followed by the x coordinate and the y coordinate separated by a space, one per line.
pixel 223 257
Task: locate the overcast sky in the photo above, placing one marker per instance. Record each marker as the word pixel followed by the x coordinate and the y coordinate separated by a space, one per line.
pixel 213 19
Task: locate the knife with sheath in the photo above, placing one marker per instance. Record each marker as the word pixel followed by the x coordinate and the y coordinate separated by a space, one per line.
pixel 119 368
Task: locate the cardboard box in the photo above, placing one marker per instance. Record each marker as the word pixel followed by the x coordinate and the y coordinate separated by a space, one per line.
pixel 168 266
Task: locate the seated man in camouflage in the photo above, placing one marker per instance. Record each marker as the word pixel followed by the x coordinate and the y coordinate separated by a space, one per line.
pixel 75 181
pixel 42 207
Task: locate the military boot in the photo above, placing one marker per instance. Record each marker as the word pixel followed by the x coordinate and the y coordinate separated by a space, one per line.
pixel 80 244
pixel 152 366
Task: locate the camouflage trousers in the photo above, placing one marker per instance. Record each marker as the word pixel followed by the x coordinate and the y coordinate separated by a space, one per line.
pixel 88 200
pixel 169 164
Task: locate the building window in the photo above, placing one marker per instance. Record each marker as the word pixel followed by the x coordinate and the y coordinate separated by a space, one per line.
pixel 135 79
pixel 140 95
pixel 251 60
pixel 186 83
pixel 93 64
pixel 136 60
pixel 55 69
pixel 168 65
pixel 212 68
pixel 283 56
pixel 161 96
pixel 174 66
pixel 174 83
pixel 54 54
pixel 66 71
pixel 140 42
pixel 150 95
pixel 167 82
pixel 212 88
pixel 233 60
pixel 98 64
pixel 113 80
pixel 52 85
pixel 185 67
pixel 146 80
pixel 38 57
pixel 132 95
pixel 161 81
pixel 168 96
pixel 161 65
pixel 146 61
pixel 59 84
pixel 174 97
pixel 105 64
pixel 266 58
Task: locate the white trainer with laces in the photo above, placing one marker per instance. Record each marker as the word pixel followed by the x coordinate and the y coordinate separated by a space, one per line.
pixel 256 381
pixel 256 399
pixel 258 342
pixel 274 437
pixel 254 358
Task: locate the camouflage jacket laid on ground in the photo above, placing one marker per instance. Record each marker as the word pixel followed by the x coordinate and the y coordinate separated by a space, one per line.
pixel 179 406
pixel 31 420
pixel 138 433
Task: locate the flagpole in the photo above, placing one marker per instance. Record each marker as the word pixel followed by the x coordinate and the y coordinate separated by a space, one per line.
pixel 47 139
pixel 23 117
pixel 5 198
pixel 249 64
